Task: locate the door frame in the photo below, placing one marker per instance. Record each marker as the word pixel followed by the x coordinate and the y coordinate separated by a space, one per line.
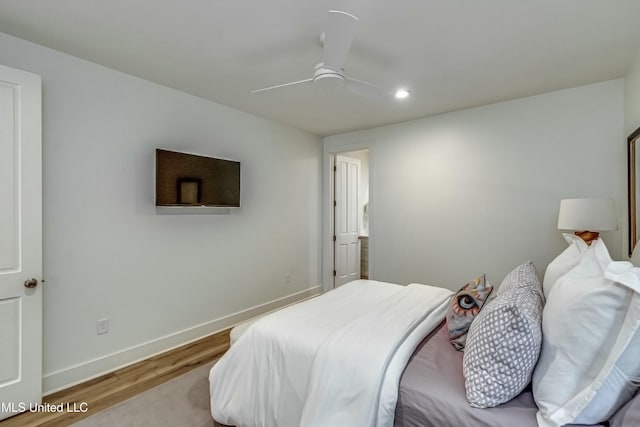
pixel 328 161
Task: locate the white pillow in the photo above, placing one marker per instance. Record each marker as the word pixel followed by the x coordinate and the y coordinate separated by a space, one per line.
pixel 588 367
pixel 564 262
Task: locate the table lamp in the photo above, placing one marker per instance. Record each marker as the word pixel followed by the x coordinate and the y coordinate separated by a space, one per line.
pixel 587 217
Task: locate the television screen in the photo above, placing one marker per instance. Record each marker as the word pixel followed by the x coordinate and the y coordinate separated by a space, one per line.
pixel 190 180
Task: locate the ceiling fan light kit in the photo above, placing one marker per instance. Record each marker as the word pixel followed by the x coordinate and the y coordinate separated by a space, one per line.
pixel 329 74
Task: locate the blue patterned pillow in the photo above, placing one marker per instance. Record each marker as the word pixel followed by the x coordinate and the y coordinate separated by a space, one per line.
pixel 464 307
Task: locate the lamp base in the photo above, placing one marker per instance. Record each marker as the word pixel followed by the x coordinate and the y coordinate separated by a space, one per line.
pixel 587 236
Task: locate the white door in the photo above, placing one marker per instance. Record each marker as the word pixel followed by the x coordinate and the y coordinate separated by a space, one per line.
pixel 346 223
pixel 20 240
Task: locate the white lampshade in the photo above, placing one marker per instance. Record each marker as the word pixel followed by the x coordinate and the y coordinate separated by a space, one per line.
pixel 587 215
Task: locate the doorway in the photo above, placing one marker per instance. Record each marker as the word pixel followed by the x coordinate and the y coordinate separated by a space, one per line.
pixel 350 215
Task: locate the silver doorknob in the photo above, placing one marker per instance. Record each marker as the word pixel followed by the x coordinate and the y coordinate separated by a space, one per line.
pixel 31 283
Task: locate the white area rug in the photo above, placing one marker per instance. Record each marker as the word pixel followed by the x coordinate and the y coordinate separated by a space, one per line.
pixel 182 401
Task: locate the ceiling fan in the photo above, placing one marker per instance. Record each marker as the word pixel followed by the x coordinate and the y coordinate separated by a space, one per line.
pixel 329 74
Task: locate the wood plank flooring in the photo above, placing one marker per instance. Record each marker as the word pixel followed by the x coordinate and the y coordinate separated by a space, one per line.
pixel 109 389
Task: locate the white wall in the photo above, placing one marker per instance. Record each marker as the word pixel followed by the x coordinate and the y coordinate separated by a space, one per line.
pixel 478 191
pixel 160 279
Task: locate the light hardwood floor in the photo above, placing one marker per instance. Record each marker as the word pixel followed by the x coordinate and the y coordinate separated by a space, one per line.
pixel 109 389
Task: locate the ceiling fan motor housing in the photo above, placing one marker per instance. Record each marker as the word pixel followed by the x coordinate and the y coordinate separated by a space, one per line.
pixel 327 78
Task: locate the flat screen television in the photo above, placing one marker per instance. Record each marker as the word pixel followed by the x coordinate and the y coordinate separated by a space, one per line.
pixel 191 180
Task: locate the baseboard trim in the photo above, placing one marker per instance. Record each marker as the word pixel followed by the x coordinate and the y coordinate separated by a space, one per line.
pixel 64 378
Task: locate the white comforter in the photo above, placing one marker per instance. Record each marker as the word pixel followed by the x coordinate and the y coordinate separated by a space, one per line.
pixel 334 360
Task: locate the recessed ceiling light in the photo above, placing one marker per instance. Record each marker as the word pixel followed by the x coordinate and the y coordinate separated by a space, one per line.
pixel 402 93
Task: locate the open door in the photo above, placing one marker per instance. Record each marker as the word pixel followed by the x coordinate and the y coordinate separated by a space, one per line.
pixel 20 241
pixel 346 222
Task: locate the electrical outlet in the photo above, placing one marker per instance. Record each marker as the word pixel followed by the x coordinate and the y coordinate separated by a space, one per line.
pixel 287 278
pixel 102 326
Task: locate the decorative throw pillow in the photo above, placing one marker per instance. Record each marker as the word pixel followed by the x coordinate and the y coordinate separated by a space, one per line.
pixel 504 341
pixel 464 307
pixel 564 262
pixel 523 276
pixel 589 366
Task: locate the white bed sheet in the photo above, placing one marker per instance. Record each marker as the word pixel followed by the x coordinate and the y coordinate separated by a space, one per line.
pixel 332 360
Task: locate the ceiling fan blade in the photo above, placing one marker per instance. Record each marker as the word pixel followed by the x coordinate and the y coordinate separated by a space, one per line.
pixel 365 89
pixel 341 29
pixel 282 85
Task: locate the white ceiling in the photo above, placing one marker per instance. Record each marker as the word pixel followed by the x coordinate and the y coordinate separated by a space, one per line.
pixel 450 54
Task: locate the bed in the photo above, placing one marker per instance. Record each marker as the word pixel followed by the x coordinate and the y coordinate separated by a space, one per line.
pixel 301 366
pixel 432 392
pixel 290 368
